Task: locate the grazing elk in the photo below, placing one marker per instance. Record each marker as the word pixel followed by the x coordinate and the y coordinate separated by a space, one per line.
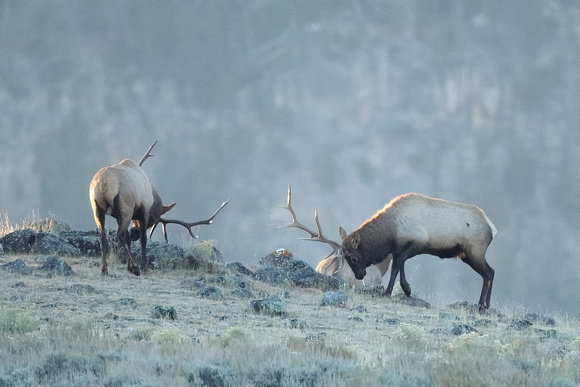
pixel 124 192
pixel 334 265
pixel 414 224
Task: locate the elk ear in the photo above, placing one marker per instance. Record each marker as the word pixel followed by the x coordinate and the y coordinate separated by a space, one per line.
pixel 342 233
pixel 355 241
pixel 167 208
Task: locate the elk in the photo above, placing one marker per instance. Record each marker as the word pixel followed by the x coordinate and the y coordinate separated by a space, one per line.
pixel 414 224
pixel 124 192
pixel 334 264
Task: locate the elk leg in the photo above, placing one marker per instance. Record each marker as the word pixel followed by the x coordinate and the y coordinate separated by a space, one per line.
pixel 487 274
pixel 144 259
pixel 394 273
pixel 100 220
pixel 403 280
pixel 125 240
pixel 412 250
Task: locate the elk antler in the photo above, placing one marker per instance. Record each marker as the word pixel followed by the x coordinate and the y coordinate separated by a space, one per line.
pixel 148 154
pixel 314 236
pixel 187 225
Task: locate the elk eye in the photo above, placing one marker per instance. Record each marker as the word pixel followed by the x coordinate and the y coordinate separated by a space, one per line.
pixel 354 260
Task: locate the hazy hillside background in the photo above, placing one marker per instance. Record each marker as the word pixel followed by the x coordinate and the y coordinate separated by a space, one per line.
pixel 350 102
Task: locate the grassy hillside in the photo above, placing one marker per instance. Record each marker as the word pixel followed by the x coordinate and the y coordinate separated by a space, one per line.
pixel 88 330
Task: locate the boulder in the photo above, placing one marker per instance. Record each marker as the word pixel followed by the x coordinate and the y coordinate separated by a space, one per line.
pixel 19 241
pixel 295 271
pixel 237 267
pixel 277 258
pixel 269 306
pixel 46 244
pixel 271 274
pixel 54 266
pixel 210 292
pixel 17 266
pixel 332 298
pixel 167 312
pixel 89 242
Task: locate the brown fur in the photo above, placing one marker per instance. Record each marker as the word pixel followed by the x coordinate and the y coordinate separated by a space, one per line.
pixel 124 192
pixel 414 224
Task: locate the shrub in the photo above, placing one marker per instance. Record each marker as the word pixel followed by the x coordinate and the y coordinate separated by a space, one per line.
pixel 16 321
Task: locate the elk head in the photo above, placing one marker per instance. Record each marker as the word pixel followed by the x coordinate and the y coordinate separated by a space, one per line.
pixel 335 264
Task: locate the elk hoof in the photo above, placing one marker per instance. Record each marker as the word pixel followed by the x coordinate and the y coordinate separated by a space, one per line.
pixel 406 289
pixel 134 270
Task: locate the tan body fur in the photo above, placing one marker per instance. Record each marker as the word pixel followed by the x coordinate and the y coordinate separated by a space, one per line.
pixel 414 224
pixel 124 192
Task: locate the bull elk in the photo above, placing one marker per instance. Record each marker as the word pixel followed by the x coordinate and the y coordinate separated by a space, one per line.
pixel 334 264
pixel 124 192
pixel 414 224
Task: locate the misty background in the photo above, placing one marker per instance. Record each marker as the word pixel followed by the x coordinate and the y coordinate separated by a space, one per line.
pixel 349 102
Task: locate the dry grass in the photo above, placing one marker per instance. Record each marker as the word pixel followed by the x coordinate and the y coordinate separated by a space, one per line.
pixel 52 334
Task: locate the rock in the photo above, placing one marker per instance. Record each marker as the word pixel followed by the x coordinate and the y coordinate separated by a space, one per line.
pixel 271 275
pixel 127 301
pixel 269 306
pixel 484 323
pixel 163 255
pixel 242 293
pixel 519 325
pixel 297 272
pixel 53 265
pixel 237 267
pixel 19 241
pixel 89 242
pixel 536 318
pixel 210 292
pixel 81 289
pixel 356 319
pixel 301 274
pixel 546 333
pixel 360 309
pixel 1 250
pixel 333 298
pixel 17 266
pixel 448 316
pixel 461 329
pixel 28 241
pixel 277 258
pixel 373 291
pixel 167 312
pixel 293 323
pixel 469 307
pixel 194 282
pixel 412 301
pixel 392 321
pixel 52 244
pixel 316 336
pixel 240 282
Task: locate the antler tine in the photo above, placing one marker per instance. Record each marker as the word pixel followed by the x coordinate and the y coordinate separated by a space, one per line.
pixel 148 154
pixel 335 246
pixel 316 237
pixel 295 223
pixel 187 225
